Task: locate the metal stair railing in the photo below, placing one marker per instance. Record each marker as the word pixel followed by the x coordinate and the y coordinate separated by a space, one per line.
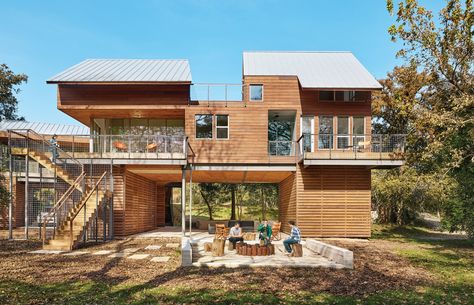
pixel 64 168
pixel 58 213
pixel 100 186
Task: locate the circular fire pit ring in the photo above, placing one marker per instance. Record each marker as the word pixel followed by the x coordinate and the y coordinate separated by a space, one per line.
pixel 254 249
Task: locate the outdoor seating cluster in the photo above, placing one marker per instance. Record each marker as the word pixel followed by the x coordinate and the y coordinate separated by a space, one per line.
pixel 245 243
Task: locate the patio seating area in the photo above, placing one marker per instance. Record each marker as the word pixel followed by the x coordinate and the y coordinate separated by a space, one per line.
pixel 231 259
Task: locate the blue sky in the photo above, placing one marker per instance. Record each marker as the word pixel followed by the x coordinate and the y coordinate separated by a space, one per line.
pixel 42 38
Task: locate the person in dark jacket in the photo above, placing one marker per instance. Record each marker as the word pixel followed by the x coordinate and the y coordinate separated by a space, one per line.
pixel 264 232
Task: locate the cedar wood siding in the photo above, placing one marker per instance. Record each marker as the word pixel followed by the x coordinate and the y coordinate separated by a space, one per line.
pixel 334 201
pixel 140 204
pixel 160 205
pixel 18 213
pixel 287 199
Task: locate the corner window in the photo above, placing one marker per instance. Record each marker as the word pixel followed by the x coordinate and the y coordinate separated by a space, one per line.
pixel 222 126
pixel 203 126
pixel 256 92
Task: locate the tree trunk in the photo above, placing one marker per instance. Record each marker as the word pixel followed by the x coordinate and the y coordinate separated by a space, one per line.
pixel 232 209
pixel 209 208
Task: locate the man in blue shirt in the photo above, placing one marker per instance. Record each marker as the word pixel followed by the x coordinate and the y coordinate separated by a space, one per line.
pixel 295 237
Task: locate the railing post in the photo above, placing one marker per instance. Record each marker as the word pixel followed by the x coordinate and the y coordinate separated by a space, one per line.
pixel 96 214
pixel 183 200
pixel 27 166
pixel 73 155
pixel 104 212
pixel 10 203
pixel 111 208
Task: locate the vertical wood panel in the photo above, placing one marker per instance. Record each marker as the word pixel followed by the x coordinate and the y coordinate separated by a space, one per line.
pixel 287 199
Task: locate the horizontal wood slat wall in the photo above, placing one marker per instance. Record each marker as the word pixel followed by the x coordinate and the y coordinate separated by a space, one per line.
pixel 334 201
pixel 119 204
pixel 140 204
pixel 287 199
pixel 18 213
pixel 160 205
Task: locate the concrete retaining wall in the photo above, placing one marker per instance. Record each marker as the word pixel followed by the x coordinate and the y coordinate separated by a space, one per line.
pixel 339 255
pixel 186 252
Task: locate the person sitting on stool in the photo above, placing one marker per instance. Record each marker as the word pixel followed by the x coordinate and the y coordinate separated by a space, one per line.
pixel 235 234
pixel 295 237
pixel 265 233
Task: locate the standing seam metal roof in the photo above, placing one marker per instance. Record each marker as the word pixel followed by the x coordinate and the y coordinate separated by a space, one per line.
pixel 126 70
pixel 313 69
pixel 45 128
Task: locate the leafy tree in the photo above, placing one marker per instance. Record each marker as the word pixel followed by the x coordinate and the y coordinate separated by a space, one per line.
pixel 441 124
pixel 211 193
pixel 8 89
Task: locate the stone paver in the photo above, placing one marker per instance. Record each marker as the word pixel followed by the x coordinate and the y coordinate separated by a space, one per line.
pixel 138 256
pixel 46 252
pixel 76 253
pixel 130 250
pixel 172 245
pixel 118 254
pixel 153 247
pixel 103 252
pixel 160 259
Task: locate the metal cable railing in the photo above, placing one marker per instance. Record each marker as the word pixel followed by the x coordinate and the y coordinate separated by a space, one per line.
pixel 352 146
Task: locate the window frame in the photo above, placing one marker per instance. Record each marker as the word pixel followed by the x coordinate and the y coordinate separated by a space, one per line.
pixel 250 93
pixel 212 126
pixel 222 127
pixel 358 136
pixel 348 135
pixel 331 135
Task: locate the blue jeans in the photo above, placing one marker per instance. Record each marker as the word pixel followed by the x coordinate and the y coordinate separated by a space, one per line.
pixel 288 242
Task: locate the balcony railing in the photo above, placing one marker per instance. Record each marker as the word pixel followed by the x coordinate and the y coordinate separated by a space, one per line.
pixel 360 146
pixel 217 92
pixel 126 146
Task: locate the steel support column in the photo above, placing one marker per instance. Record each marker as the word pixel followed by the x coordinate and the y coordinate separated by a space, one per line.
pixel 10 203
pixel 183 201
pixel 190 199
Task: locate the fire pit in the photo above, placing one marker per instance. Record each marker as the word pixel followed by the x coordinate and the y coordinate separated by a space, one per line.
pixel 254 250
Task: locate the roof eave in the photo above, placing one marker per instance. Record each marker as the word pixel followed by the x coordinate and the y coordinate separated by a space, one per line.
pixel 118 82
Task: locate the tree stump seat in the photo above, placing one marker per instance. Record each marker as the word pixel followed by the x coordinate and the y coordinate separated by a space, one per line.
pixel 297 250
pixel 208 247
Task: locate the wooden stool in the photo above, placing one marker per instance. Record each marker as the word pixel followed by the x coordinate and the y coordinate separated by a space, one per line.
pixel 208 247
pixel 297 250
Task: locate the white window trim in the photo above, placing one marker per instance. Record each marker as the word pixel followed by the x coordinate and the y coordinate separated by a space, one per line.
pixel 212 127
pixel 354 135
pixel 348 136
pixel 331 134
pixel 312 129
pixel 250 93
pixel 223 127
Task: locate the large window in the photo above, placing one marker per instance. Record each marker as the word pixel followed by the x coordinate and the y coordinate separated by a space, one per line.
pixel 204 126
pixel 358 130
pixel 307 125
pixel 342 132
pixel 256 92
pixel 325 140
pixel 222 126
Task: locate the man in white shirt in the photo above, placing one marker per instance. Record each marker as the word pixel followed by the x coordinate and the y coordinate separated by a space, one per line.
pixel 235 234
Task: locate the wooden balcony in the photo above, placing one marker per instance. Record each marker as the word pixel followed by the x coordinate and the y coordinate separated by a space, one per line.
pixel 369 149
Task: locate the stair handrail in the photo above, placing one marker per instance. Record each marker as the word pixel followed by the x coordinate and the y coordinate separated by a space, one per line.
pixel 81 205
pixel 60 202
pixel 43 139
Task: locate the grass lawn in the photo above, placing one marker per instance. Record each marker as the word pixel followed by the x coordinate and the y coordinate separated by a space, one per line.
pixel 397 266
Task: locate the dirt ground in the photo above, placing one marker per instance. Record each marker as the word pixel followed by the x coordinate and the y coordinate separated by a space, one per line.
pixel 376 268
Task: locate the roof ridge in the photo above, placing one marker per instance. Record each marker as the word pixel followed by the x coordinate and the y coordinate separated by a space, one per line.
pixel 262 51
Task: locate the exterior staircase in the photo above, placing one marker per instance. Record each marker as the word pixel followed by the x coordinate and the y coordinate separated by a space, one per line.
pixel 71 218
pixel 66 240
